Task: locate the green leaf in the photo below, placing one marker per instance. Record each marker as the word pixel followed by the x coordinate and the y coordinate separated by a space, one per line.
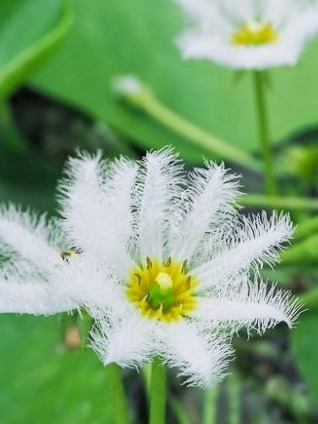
pixel 27 179
pixel 111 38
pixel 305 350
pixel 307 227
pixel 301 253
pixel 42 382
pixel 28 32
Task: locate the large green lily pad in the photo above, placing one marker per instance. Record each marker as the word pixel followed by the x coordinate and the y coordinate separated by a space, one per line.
pixel 41 382
pixel 112 37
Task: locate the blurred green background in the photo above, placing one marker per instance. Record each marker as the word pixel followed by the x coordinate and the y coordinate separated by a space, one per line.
pixel 58 61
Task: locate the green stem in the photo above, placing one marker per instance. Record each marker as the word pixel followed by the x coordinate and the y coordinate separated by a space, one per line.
pixel 264 132
pixel 180 412
pixel 117 394
pixel 158 393
pixel 234 399
pixel 198 136
pixel 146 376
pixel 209 405
pixel 141 97
pixel 279 202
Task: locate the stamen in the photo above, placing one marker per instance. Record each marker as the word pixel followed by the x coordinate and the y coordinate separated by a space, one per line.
pixel 149 263
pixel 184 266
pixel 168 263
pixel 145 298
pixel 138 277
pixel 188 282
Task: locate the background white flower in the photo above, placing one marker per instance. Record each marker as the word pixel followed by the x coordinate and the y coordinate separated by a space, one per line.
pixel 248 34
pixel 161 259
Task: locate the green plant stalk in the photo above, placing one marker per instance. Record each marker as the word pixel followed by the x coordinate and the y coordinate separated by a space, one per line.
pixel 265 147
pixel 279 202
pixel 151 105
pixel 234 399
pixel 146 378
pixel 117 394
pixel 17 70
pixel 209 405
pixel 179 411
pixel 158 392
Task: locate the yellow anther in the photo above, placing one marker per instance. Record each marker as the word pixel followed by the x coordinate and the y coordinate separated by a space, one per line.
pixel 145 298
pixel 138 278
pixel 168 263
pixel 188 282
pixel 255 33
pixel 184 266
pixel 164 280
pixel 149 263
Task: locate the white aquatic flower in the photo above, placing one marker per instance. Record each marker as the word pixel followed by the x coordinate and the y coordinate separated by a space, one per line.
pixel 161 259
pixel 248 34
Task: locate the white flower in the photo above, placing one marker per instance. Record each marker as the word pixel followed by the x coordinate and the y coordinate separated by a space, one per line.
pixel 248 34
pixel 162 260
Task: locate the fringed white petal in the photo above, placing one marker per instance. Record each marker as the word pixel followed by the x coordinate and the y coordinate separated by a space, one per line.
pixel 119 185
pixel 210 208
pixel 97 200
pixel 124 212
pixel 252 305
pixel 157 187
pixel 23 272
pixel 255 243
pixel 28 236
pixel 127 341
pixel 83 201
pixel 27 299
pixel 202 358
pixel 85 282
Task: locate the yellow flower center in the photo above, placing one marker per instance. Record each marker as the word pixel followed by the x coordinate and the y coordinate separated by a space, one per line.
pixel 255 33
pixel 162 291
